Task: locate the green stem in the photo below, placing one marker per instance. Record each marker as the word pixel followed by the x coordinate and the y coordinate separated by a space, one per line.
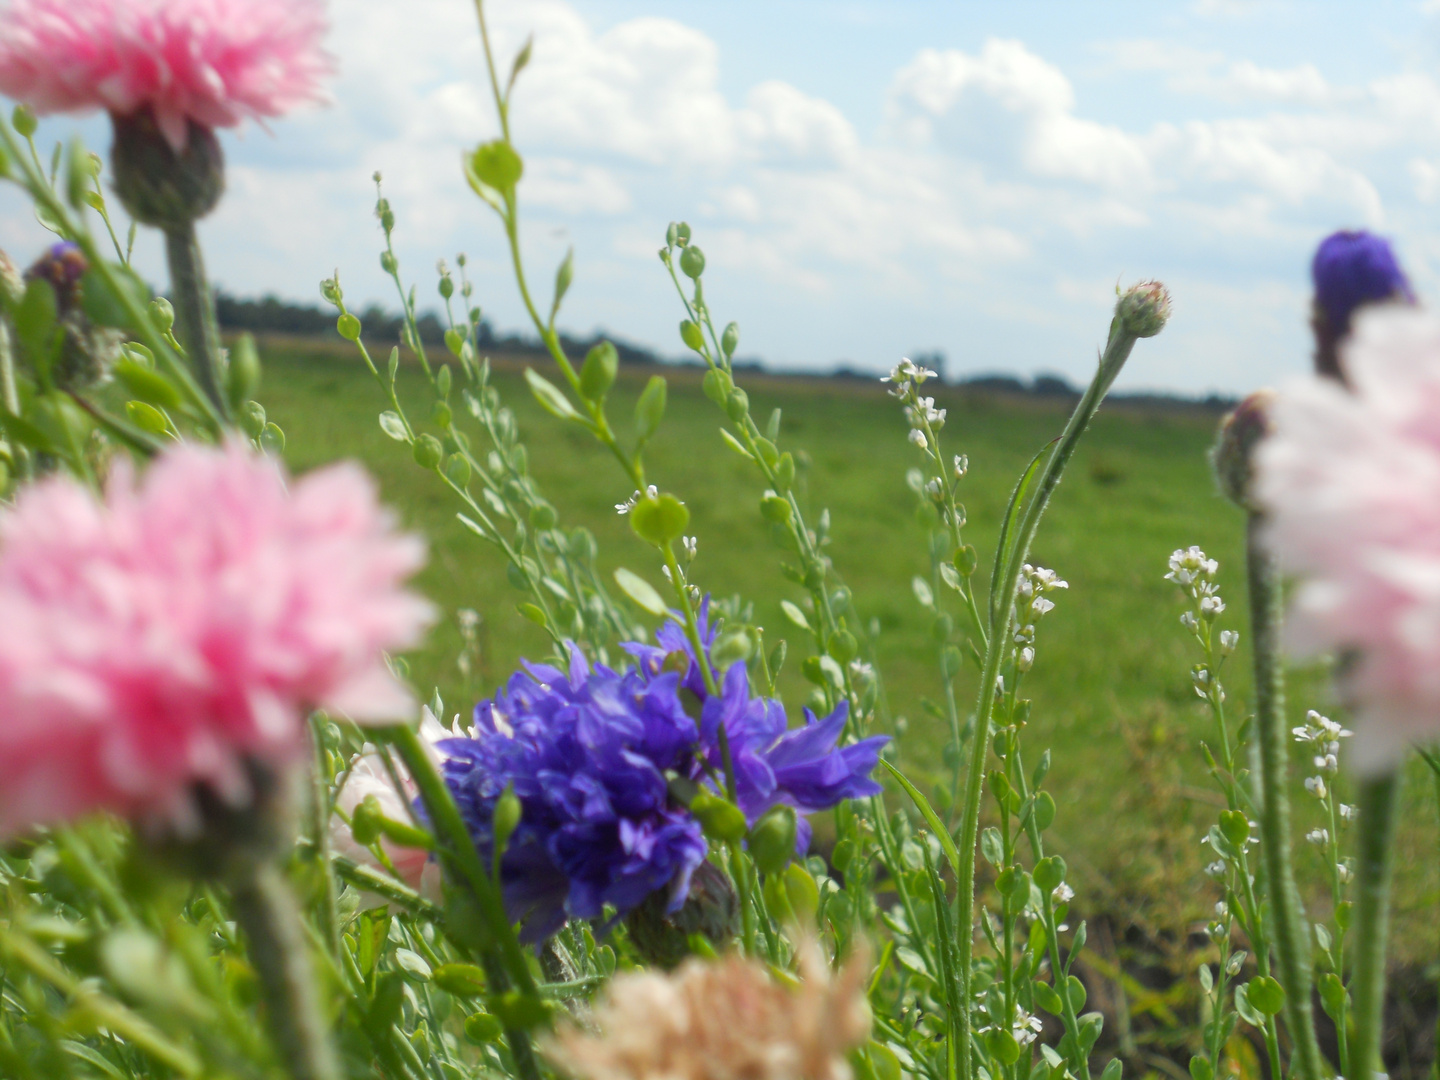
pixel 264 907
pixel 195 321
pixel 1117 351
pixel 504 961
pixel 1291 930
pixel 320 811
pixel 1379 798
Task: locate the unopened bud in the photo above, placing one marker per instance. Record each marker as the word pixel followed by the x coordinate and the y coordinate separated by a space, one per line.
pixel 160 184
pixel 1233 455
pixel 1144 309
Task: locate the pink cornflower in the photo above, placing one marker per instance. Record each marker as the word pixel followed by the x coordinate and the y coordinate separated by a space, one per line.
pixel 159 639
pixel 1350 479
pixel 215 62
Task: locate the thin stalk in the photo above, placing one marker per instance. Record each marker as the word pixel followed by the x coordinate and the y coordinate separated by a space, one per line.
pixel 195 321
pixel 320 811
pixel 1292 943
pixel 1117 351
pixel 265 909
pixel 1379 799
pixel 505 962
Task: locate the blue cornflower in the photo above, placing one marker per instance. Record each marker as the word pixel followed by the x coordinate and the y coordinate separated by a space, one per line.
pixel 589 755
pixel 586 754
pixel 1351 269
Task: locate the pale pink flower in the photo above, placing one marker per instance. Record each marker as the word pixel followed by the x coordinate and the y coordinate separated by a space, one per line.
pixel 368 776
pixel 728 1020
pixel 216 62
pixel 1350 479
pixel 159 638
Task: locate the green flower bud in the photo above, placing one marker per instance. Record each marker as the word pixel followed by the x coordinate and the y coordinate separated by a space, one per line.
pixel 691 335
pixel 730 338
pixel 737 405
pixel 159 186
pixel 711 911
pixel 23 118
pixel 428 452
pixel 772 840
pixel 1232 456
pixel 692 262
pixel 1144 309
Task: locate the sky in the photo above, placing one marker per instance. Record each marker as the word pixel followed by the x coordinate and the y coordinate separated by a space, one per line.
pixel 867 178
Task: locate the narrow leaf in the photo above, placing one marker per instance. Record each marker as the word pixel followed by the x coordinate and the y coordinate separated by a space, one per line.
pixel 947 844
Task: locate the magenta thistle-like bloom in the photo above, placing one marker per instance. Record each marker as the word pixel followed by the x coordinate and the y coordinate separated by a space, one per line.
pixel 1350 479
pixel 159 640
pixel 216 62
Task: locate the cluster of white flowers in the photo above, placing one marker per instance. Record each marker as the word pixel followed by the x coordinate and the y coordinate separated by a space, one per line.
pixel 1025 1027
pixel 1031 605
pixel 905 379
pixel 629 504
pixel 1194 572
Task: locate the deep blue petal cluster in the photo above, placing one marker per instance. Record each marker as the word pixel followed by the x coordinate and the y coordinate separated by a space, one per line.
pixel 586 754
pixel 1352 268
pixel 589 754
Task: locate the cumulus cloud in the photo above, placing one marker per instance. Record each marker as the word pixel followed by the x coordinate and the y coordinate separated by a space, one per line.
pixel 989 208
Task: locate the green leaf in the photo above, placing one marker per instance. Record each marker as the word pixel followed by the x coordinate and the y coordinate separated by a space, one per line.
pixel 597 374
pixel 460 980
pixel 147 417
pixel 34 318
pixel 650 408
pixel 148 386
pixel 550 397
pixel 640 591
pixel 563 276
pixel 392 425
pixel 1007 523
pixel 105 305
pixel 1266 994
pixel 795 615
pixel 736 445
pixel 1047 998
pixel 947 844
pixel 24 432
pixel 1247 1011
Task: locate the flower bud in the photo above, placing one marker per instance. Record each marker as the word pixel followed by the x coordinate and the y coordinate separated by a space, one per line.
pixel 1232 457
pixel 12 285
pixel 158 185
pixel 1144 309
pixel 692 262
pixel 772 840
pixel 711 909
pixel 88 351
pixel 1350 270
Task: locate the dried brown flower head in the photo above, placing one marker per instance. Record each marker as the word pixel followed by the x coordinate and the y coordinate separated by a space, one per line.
pixel 727 1020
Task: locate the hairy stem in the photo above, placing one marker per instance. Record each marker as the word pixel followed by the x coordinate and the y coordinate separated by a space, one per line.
pixel 265 908
pixel 1117 351
pixel 1291 931
pixel 1379 798
pixel 195 322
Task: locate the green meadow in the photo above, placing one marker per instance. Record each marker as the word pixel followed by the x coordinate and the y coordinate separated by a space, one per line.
pixel 1111 686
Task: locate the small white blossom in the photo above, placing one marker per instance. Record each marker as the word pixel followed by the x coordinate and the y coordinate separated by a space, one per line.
pixel 1025 660
pixel 1343 871
pixel 1229 639
pixel 1062 893
pixel 1211 606
pixel 1222 909
pixel 651 491
pixel 691 545
pixel 1189 621
pixel 1327 763
pixel 1216 869
pixel 1318 837
pixel 918 438
pixel 907 371
pixel 1316 786
pixel 962 465
pixel 1348 813
pixel 1190 565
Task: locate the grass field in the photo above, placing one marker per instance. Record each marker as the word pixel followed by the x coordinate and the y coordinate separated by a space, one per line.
pixel 1111 687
